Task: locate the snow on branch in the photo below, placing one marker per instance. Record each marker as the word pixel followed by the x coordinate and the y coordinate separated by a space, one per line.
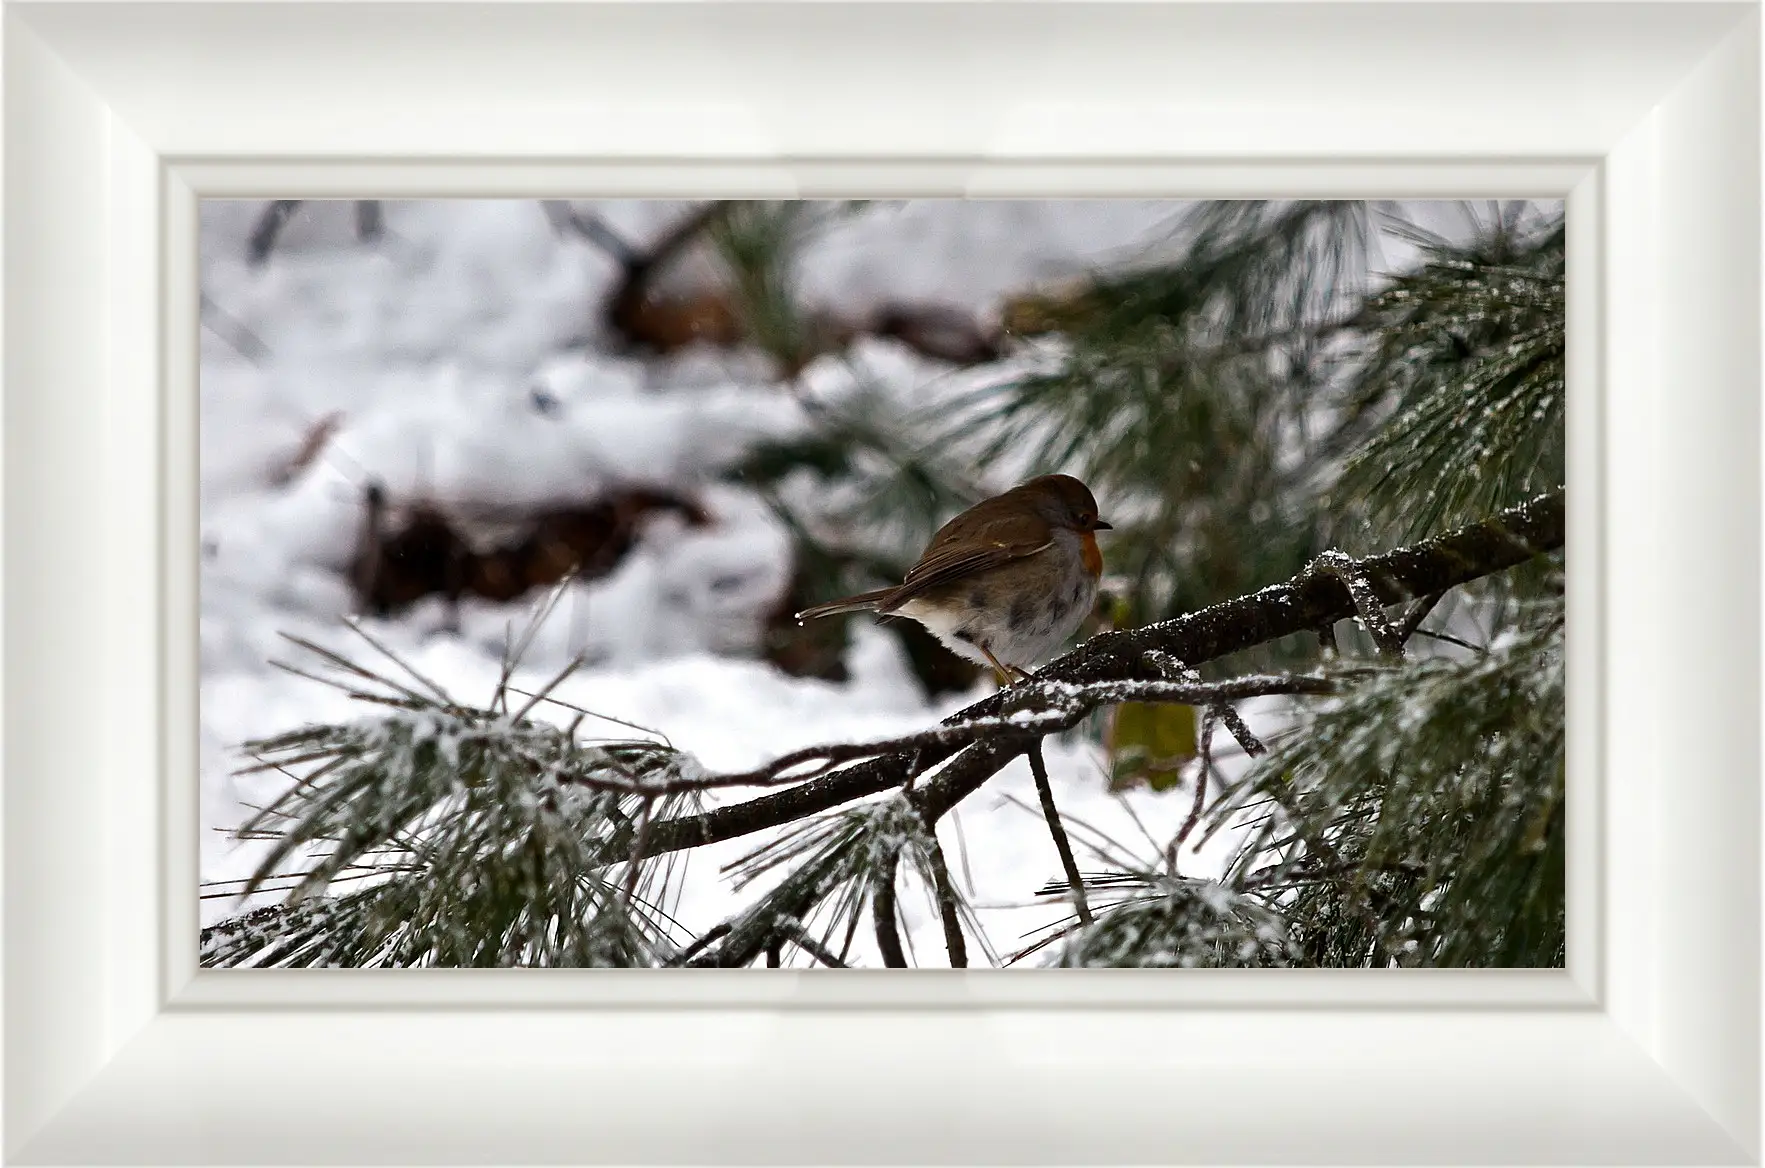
pixel 1309 601
pixel 1048 708
pixel 1353 576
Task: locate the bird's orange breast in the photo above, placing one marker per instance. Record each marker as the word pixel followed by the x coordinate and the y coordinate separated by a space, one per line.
pixel 1089 553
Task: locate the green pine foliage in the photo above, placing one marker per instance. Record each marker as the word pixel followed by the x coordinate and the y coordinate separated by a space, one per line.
pixel 758 243
pixel 471 837
pixel 1167 922
pixel 843 866
pixel 1419 819
pixel 1465 357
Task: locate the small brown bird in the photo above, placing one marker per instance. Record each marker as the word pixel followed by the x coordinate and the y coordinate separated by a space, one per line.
pixel 1004 582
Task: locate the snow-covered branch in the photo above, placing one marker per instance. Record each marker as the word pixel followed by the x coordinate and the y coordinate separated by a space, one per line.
pixel 1048 707
pixel 1309 601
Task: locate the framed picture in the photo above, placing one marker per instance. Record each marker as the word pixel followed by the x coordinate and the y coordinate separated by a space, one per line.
pixel 1383 436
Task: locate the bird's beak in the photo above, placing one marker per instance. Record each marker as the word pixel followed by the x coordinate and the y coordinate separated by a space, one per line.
pixel 1102 526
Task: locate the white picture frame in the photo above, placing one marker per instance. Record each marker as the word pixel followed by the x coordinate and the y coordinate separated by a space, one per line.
pixel 118 116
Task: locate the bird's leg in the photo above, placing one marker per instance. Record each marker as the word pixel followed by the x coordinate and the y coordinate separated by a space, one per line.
pixel 1005 674
pixel 999 674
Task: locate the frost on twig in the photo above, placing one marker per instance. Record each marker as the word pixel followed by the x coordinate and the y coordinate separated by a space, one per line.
pixel 1353 575
pixel 1172 922
pixel 1047 708
pixel 1203 769
pixel 1171 667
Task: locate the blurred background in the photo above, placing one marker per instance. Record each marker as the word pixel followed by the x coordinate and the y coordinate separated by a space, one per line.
pixel 644 433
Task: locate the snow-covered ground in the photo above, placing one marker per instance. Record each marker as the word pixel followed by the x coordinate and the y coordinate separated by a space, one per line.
pixel 434 345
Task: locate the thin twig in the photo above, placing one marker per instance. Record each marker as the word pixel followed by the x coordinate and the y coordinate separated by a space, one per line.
pixel 947 903
pixel 1250 743
pixel 1106 847
pixel 542 614
pixel 346 665
pixel 1281 874
pixel 800 937
pixel 1449 639
pixel 355 626
pixel 1126 805
pixel 1039 768
pixel 1418 613
pixel 1207 725
pixel 1174 669
pixel 566 217
pixel 1058 932
pixel 370 224
pixel 962 850
pixel 882 905
pixel 713 935
pixel 558 679
pixel 634 865
pixel 270 222
pixel 582 713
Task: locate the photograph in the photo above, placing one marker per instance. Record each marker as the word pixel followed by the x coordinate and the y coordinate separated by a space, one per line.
pixel 878 583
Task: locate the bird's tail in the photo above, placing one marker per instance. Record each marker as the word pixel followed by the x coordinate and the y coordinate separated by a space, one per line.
pixel 863 602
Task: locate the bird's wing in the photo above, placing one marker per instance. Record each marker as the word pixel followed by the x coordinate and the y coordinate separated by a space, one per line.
pixel 969 544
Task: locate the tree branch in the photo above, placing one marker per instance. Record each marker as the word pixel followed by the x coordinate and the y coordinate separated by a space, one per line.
pixel 714 934
pixel 1063 706
pixel 882 904
pixel 1224 711
pixel 1207 721
pixel 800 937
pixel 1353 577
pixel 1418 613
pixel 1305 603
pixel 1074 881
pixel 745 937
pixel 947 905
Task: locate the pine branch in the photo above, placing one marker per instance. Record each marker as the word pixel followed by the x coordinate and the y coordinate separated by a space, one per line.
pixel 798 936
pixel 1412 621
pixel 1046 708
pixel 1171 667
pixel 1305 603
pixel 882 905
pixel 948 910
pixel 1201 773
pixel 1372 615
pixel 1362 876
pixel 1045 791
